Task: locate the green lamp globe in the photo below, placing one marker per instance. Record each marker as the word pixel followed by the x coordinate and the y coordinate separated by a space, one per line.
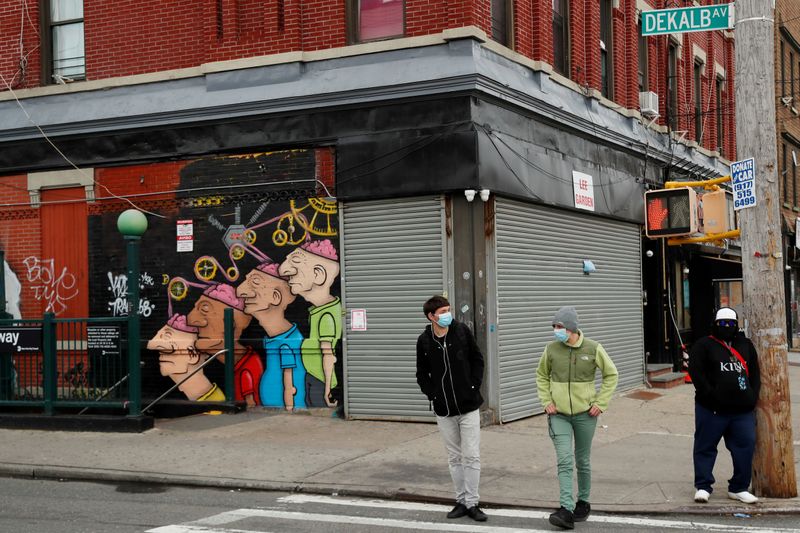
pixel 132 223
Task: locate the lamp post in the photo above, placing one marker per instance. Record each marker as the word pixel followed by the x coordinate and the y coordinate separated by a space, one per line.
pixel 132 224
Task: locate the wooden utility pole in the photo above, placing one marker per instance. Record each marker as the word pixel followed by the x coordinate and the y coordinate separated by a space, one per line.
pixel 762 248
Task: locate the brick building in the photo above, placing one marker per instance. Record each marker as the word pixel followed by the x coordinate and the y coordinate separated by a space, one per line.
pixel 787 95
pixel 493 150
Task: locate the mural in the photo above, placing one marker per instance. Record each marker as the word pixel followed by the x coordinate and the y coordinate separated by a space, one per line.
pixel 271 256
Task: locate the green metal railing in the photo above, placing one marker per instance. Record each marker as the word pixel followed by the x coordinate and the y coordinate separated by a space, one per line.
pixel 66 371
pixel 74 369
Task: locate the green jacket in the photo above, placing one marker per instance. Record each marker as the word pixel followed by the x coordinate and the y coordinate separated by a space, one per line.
pixel 565 376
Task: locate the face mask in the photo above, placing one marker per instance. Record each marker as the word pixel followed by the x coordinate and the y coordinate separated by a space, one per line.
pixel 725 333
pixel 560 334
pixel 445 319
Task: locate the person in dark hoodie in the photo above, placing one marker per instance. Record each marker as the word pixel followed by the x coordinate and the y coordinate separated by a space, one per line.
pixel 450 373
pixel 724 370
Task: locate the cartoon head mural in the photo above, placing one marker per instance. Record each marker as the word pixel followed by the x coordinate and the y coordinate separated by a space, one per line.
pixel 178 358
pixel 266 295
pixel 209 319
pixel 311 271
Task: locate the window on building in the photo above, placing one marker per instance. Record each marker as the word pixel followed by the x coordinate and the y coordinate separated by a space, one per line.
pixel 791 78
pixel 783 68
pixel 720 88
pixel 370 20
pixel 501 22
pixel 794 178
pixel 63 56
pixel 643 70
pixel 784 174
pixel 606 49
pixel 698 102
pixel 561 36
pixel 672 86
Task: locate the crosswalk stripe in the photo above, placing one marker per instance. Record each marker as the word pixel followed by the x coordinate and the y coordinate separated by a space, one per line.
pixel 536 515
pixel 197 526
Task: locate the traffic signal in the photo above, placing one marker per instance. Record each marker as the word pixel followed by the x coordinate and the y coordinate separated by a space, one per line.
pixel 670 212
pixel 716 212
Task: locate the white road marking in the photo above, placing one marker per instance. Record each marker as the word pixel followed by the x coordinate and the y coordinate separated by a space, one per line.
pixel 537 515
pixel 342 519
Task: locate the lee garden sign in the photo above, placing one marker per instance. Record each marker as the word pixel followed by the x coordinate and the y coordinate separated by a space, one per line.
pixel 686 19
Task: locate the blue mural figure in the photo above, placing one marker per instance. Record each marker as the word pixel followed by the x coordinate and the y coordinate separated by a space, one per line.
pixel 266 296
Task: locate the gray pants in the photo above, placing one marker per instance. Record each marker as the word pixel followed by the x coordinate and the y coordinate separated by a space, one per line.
pixel 462 439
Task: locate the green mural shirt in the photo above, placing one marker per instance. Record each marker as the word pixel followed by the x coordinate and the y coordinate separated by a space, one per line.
pixel 325 324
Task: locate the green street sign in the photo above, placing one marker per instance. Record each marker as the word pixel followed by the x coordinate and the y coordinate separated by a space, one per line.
pixel 686 19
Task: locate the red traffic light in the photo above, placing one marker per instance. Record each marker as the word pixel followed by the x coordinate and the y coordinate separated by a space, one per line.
pixel 670 212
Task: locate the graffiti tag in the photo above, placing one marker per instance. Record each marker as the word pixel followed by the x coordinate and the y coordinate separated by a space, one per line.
pixel 55 289
pixel 119 304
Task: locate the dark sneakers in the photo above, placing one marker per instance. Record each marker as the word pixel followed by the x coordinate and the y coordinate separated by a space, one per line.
pixel 458 511
pixel 563 519
pixel 476 514
pixel 582 510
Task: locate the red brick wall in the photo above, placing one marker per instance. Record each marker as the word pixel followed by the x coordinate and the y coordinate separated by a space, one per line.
pixel 13 23
pixel 129 37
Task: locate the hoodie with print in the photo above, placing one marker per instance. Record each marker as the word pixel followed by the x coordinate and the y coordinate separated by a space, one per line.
pixel 721 382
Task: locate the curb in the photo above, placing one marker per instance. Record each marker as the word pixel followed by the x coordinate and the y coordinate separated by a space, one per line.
pixel 17 470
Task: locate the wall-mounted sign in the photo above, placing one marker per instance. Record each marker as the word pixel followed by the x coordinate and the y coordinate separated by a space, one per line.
pixel 358 320
pixel 20 340
pixel 103 340
pixel 583 190
pixel 185 233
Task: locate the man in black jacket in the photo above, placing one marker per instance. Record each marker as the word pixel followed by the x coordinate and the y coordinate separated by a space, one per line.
pixel 724 370
pixel 450 373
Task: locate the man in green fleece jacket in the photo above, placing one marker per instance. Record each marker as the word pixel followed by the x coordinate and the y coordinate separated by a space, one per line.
pixel 565 380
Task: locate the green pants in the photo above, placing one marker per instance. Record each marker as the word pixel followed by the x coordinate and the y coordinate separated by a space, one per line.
pixel 562 428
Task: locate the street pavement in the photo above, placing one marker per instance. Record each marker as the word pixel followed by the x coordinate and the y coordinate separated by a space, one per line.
pixel 641 460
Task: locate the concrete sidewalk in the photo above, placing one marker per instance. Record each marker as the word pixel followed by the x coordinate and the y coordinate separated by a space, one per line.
pixel 641 460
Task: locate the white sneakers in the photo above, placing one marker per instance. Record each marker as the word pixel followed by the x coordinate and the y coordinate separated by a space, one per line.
pixel 743 496
pixel 701 496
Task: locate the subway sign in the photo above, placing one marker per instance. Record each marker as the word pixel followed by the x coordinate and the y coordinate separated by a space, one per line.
pixel 687 19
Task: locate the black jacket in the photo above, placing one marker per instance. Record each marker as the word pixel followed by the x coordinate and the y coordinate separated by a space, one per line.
pixel 451 378
pixel 721 383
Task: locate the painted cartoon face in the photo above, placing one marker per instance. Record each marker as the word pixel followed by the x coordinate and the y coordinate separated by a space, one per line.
pixel 208 316
pixel 176 350
pixel 299 268
pixel 260 291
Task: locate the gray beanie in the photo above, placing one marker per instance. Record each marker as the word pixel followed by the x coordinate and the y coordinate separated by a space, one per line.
pixel 568 317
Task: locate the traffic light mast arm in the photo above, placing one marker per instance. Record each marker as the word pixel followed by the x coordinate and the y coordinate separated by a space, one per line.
pixel 707 184
pixel 711 237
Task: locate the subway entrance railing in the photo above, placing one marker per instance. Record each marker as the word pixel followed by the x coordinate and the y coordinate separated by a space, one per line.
pixel 79 365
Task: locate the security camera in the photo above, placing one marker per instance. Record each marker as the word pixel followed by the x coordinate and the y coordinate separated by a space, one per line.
pixel 469 194
pixel 485 194
pixel 649 253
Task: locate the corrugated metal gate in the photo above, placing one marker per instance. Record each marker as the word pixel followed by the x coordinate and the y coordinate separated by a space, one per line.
pixel 394 259
pixel 539 265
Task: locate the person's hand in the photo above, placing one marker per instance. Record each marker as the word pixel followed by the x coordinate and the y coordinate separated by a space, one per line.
pixel 595 411
pixel 550 409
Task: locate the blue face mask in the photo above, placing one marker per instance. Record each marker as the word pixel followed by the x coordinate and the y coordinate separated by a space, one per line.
pixel 445 319
pixel 560 334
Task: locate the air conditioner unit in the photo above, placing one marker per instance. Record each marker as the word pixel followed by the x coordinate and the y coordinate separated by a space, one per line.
pixel 648 103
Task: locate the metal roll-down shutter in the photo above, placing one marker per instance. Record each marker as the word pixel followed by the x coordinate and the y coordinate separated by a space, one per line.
pixel 539 266
pixel 394 259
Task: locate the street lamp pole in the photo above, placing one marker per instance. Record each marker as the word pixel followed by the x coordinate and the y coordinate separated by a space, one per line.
pixel 132 224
